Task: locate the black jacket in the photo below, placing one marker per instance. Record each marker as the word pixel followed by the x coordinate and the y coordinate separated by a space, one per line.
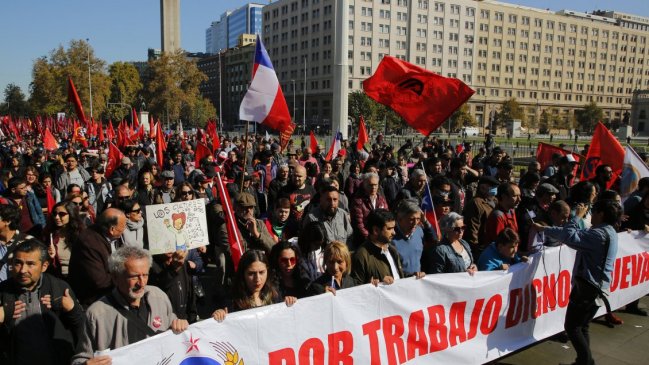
pixel 63 329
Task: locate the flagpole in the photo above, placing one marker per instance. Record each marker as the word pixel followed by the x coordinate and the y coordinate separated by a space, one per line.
pixel 245 154
pixel 89 79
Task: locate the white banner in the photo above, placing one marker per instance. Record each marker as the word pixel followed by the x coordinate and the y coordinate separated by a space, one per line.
pixel 176 226
pixel 444 318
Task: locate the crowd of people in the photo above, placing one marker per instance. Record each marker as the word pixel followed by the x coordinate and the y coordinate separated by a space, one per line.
pixel 77 279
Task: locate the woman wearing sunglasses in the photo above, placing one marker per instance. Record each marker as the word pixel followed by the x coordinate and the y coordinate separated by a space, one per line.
pixel 453 254
pixel 285 270
pixel 135 232
pixel 62 229
pixel 185 192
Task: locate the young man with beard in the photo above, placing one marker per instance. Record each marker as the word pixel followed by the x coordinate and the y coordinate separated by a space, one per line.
pixel 377 260
pixel 336 221
pixel 132 312
pixel 40 317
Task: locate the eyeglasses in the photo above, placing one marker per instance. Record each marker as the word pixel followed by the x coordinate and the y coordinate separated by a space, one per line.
pixel 137 211
pixel 288 260
pixel 459 229
pixel 61 214
pixel 185 192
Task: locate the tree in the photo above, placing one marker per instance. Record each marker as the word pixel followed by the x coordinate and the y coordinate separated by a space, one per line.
pixel 125 86
pixel 588 117
pixel 200 113
pixel 509 110
pixel 15 103
pixel 359 104
pixel 462 118
pixel 172 88
pixel 49 86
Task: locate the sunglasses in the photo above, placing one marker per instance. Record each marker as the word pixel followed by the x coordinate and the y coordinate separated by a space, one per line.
pixel 288 260
pixel 459 229
pixel 61 214
pixel 184 192
pixel 136 211
pixel 78 204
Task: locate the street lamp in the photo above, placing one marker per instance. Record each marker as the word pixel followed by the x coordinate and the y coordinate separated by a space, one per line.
pixel 89 79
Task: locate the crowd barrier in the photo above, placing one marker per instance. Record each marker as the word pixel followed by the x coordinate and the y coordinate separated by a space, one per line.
pixel 444 318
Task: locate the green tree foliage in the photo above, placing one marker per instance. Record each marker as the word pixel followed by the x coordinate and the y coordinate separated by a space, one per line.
pixel 14 102
pixel 172 89
pixel 124 88
pixel 588 117
pixel 49 86
pixel 509 110
pixel 462 118
pixel 376 115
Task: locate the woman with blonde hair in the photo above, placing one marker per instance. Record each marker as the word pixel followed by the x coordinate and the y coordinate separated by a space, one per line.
pixel 338 266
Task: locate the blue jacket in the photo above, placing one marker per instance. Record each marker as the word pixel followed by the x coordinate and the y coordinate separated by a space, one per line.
pixel 443 259
pixel 491 259
pixel 594 260
pixel 410 249
pixel 35 210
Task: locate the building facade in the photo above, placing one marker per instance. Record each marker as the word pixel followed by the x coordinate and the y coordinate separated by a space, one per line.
pixel 640 112
pixel 216 36
pixel 549 61
pixel 225 32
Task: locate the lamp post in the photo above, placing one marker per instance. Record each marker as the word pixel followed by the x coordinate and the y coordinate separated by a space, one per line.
pixel 89 79
pixel 304 101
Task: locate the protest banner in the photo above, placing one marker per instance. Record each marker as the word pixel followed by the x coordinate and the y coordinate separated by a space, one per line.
pixel 443 319
pixel 176 226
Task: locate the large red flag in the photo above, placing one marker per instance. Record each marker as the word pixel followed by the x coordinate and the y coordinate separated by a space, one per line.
pixel 73 97
pixel 604 149
pixel 423 98
pixel 100 133
pixel 313 143
pixel 49 142
pixel 362 135
pixel 114 158
pixel 234 236
pixel 201 151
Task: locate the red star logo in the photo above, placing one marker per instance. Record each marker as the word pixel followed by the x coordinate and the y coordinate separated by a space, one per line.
pixel 192 343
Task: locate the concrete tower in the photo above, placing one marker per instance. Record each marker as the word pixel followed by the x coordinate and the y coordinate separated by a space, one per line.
pixel 170 25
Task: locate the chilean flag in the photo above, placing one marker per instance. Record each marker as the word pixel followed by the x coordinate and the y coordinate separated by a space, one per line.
pixel 264 101
pixel 335 147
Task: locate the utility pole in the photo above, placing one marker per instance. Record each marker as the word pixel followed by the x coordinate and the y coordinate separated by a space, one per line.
pixel 304 101
pixel 89 79
pixel 220 96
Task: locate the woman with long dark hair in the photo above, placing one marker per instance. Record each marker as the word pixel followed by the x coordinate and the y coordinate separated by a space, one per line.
pixel 312 241
pixel 61 231
pixel 251 287
pixel 285 271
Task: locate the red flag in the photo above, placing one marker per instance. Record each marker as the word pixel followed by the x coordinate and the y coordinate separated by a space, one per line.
pixel 136 122
pixel 100 133
pixel 285 135
pixel 73 97
pixel 423 98
pixel 114 158
pixel 545 151
pixel 201 151
pixel 160 146
pixel 50 199
pixel 234 236
pixel 110 132
pixel 313 143
pixel 604 149
pixel 362 135
pixel 78 135
pixel 151 128
pixel 49 142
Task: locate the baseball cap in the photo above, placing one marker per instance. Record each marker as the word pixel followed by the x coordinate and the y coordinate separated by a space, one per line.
pixel 489 180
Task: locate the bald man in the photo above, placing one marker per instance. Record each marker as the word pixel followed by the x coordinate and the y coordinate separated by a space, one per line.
pixel 88 274
pixel 298 192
